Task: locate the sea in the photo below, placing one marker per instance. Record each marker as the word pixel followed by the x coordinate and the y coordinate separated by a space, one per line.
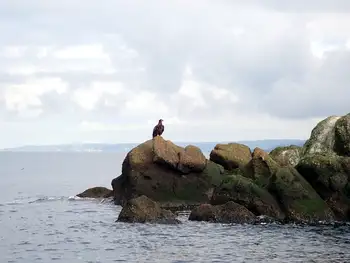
pixel 42 220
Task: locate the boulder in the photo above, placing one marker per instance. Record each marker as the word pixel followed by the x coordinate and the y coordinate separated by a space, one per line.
pixel 185 160
pixel 231 155
pixel 274 191
pixel 230 212
pixel 299 200
pixel 342 136
pixel 167 174
pixel 96 192
pixel 287 155
pixel 261 167
pixel 144 210
pixel 329 175
pixel 245 192
pixel 322 137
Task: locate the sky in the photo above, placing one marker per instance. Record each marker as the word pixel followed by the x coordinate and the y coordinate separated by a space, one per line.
pixel 106 71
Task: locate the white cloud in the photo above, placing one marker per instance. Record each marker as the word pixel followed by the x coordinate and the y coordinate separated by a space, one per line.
pixel 26 96
pixel 87 98
pixel 12 51
pixel 81 52
pixel 246 69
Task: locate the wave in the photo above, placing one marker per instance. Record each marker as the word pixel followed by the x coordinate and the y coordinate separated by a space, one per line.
pixel 45 199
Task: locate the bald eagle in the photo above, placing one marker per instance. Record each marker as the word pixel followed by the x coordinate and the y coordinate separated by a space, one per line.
pixel 158 129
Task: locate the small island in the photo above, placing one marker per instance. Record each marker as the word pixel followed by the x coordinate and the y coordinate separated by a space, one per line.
pixel 236 184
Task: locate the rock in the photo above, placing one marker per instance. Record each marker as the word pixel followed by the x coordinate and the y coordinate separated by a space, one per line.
pixel 342 136
pixel 226 213
pixel 144 210
pixel 245 192
pixel 192 159
pixel 272 190
pixel 231 156
pixel 299 200
pixel 261 167
pixel 287 155
pixel 167 174
pixel 322 137
pixel 96 192
pixel 185 160
pixel 329 175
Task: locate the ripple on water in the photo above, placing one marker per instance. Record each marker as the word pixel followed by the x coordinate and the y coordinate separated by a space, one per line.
pixel 65 231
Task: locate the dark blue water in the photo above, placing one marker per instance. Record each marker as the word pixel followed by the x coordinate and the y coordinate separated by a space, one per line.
pixel 42 221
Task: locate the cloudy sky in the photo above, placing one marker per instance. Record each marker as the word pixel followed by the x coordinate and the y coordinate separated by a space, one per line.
pixel 106 71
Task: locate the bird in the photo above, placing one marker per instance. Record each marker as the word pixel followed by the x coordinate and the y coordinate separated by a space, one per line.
pixel 158 129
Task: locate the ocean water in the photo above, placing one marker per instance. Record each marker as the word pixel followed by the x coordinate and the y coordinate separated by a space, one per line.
pixel 42 221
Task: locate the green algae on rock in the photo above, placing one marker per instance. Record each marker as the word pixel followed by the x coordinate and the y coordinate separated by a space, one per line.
pixel 231 155
pixel 298 199
pixel 245 192
pixel 329 175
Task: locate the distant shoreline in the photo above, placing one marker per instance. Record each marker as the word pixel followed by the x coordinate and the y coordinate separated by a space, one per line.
pixel 266 145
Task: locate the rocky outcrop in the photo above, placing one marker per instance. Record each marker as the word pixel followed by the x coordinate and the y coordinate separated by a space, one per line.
pixel 322 137
pixel 331 135
pixel 144 210
pixel 231 156
pixel 96 192
pixel 167 173
pixel 329 175
pixel 299 200
pixel 287 155
pixel 291 183
pixel 342 136
pixel 229 212
pixel 267 188
pixel 245 192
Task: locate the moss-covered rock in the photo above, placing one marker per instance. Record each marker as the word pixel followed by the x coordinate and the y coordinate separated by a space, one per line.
pixel 144 210
pixel 298 199
pixel 151 169
pixel 245 192
pixel 186 160
pixel 342 136
pixel 96 192
pixel 287 155
pixel 231 155
pixel 229 212
pixel 329 175
pixel 261 168
pixel 322 137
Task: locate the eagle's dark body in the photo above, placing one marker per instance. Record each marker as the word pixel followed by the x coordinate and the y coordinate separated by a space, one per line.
pixel 158 129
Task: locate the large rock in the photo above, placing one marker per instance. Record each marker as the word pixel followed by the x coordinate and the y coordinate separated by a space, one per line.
pixel 287 155
pixel 226 213
pixel 294 195
pixel 342 136
pixel 231 156
pixel 144 210
pixel 322 137
pixel 261 167
pixel 299 200
pixel 96 192
pixel 331 136
pixel 245 192
pixel 330 177
pixel 168 174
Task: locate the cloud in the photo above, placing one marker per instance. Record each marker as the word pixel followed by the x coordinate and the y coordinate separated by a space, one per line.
pixel 116 68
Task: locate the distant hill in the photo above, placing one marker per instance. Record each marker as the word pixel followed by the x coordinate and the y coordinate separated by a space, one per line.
pixel 266 145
